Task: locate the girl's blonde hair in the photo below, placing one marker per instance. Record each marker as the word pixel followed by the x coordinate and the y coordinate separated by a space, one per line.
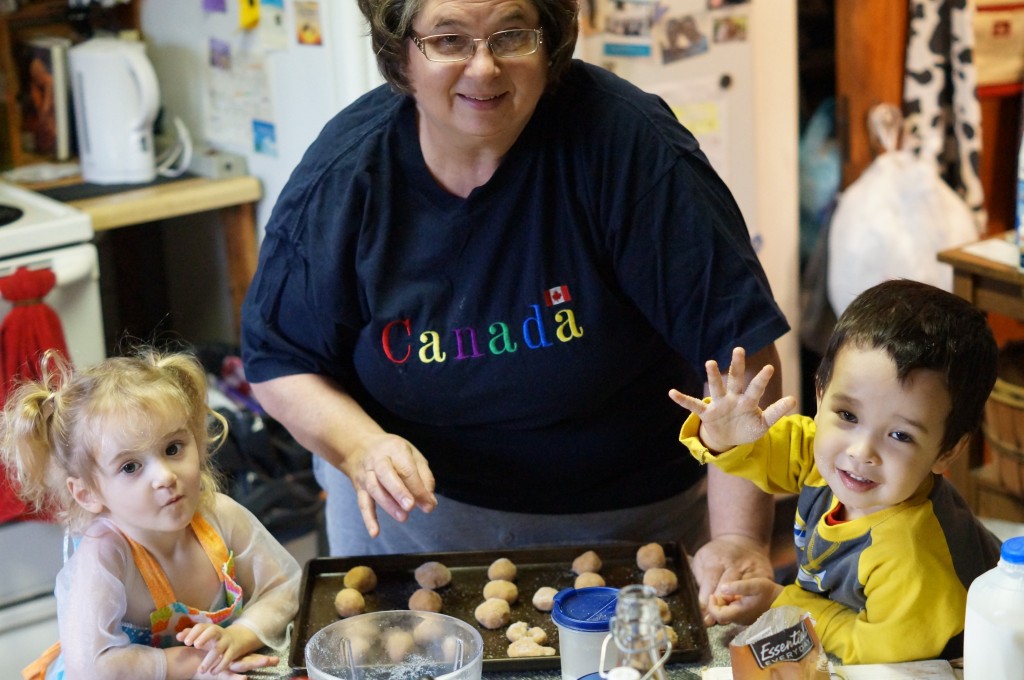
pixel 51 428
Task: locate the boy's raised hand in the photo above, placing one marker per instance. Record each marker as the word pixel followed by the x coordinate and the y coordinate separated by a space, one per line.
pixel 734 415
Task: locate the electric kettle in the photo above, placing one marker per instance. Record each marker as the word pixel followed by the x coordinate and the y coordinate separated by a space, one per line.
pixel 116 98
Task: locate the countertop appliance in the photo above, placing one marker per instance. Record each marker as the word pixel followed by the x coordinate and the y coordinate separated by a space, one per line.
pixel 36 232
pixel 116 97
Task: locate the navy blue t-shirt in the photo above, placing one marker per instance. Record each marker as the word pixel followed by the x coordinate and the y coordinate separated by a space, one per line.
pixel 523 338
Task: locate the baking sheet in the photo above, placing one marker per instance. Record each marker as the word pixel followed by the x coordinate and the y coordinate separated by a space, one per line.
pixel 537 567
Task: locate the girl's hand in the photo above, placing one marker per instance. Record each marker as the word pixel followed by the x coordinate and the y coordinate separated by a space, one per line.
pixel 734 415
pixel 743 601
pixel 222 645
pixel 237 669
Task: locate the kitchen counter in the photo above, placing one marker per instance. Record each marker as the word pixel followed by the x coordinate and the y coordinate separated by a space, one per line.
pixel 234 198
pixel 718 636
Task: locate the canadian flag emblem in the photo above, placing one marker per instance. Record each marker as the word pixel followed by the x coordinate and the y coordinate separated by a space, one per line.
pixel 557 295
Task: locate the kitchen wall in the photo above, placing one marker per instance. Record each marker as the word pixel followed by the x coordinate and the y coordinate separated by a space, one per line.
pixel 193 249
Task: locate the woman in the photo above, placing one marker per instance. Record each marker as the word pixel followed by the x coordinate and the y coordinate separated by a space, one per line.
pixel 486 277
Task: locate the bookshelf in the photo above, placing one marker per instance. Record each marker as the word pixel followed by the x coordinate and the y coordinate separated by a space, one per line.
pixel 34 19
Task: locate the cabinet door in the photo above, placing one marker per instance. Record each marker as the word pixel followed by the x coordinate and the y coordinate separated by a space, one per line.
pixel 871 38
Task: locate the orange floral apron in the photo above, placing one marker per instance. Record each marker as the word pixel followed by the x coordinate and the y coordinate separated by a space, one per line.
pixel 170 616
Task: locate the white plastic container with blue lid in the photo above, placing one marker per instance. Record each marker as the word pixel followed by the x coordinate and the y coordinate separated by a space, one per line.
pixel 583 619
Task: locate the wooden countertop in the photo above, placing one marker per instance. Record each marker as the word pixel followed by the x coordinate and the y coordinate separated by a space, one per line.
pixel 993 286
pixel 171 199
pixel 976 264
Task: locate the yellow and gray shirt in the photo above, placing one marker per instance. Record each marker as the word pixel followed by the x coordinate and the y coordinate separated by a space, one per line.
pixel 885 588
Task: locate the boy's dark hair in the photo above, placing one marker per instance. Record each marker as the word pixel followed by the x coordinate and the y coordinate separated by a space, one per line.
pixel 921 326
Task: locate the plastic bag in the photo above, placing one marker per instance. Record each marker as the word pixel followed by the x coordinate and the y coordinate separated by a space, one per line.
pixel 893 220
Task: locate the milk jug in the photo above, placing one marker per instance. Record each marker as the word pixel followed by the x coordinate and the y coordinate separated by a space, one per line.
pixel 994 627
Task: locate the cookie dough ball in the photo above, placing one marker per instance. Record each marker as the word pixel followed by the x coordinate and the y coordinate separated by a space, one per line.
pixel 428 631
pixel 424 600
pixel 521 629
pixel 450 648
pixel 517 630
pixel 493 613
pixel 588 579
pixel 502 569
pixel 361 578
pixel 664 581
pixel 587 562
pixel 398 644
pixel 506 590
pixel 364 628
pixel 433 575
pixel 664 612
pixel 650 556
pixel 544 599
pixel 360 647
pixel 526 646
pixel 673 636
pixel 349 602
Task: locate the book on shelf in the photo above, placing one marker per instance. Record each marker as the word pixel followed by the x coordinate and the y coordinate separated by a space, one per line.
pixel 46 125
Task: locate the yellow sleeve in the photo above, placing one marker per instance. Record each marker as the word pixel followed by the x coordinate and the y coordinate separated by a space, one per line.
pixel 782 461
pixel 915 602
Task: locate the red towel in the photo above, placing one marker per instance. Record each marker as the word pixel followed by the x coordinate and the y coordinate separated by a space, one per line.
pixel 28 330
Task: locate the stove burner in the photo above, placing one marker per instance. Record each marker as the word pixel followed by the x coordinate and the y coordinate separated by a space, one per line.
pixel 9 213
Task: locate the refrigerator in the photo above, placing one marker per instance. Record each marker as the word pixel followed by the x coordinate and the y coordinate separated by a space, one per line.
pixel 260 87
pixel 260 78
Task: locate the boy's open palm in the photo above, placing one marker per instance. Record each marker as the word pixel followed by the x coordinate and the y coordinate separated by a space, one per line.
pixel 734 415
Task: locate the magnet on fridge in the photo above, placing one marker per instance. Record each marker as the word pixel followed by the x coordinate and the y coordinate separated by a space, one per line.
pixel 248 14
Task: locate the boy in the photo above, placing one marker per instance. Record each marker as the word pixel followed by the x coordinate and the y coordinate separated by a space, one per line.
pixel 886 547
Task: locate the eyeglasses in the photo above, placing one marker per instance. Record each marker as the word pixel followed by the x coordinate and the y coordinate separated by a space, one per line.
pixel 448 47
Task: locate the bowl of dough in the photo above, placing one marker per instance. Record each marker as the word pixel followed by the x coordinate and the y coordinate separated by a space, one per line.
pixel 398 645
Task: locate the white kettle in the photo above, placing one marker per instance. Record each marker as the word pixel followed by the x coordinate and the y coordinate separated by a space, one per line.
pixel 116 98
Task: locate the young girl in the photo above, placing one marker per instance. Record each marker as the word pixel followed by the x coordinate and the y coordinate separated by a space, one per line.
pixel 169 578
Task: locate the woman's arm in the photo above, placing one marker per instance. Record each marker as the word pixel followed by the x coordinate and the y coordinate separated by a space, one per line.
pixel 385 469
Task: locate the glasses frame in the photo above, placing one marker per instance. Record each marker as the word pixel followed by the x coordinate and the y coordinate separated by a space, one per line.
pixel 418 41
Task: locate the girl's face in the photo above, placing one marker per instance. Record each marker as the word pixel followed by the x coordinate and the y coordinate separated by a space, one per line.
pixel 147 476
pixel 879 440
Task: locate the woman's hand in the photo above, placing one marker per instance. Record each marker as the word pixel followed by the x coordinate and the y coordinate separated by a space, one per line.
pixel 743 601
pixel 734 415
pixel 390 472
pixel 384 469
pixel 725 560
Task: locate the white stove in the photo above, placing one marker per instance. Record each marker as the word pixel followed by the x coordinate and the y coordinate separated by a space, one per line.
pixel 39 223
pixel 39 232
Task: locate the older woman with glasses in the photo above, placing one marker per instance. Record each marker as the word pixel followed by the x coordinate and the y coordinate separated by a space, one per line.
pixel 478 287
